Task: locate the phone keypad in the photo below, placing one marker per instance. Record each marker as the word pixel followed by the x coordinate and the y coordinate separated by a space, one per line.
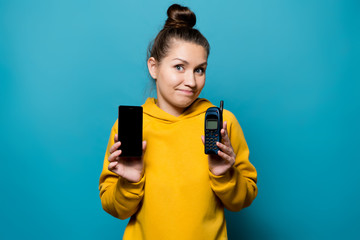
pixel 210 142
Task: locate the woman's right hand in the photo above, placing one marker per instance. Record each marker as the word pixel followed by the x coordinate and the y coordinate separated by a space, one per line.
pixel 130 168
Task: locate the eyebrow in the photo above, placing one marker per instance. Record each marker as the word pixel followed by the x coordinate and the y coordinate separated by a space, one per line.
pixel 186 62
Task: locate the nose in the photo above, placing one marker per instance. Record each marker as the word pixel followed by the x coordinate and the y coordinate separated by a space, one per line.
pixel 190 80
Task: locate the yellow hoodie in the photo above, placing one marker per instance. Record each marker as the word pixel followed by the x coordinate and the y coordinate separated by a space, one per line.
pixel 178 197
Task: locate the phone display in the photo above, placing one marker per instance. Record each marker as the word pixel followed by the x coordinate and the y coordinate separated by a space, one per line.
pixel 213 125
pixel 130 123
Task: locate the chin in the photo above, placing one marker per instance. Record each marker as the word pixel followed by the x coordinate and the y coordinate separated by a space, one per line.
pixel 186 102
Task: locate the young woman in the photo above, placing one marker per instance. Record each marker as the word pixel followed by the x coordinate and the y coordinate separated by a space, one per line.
pixel 175 191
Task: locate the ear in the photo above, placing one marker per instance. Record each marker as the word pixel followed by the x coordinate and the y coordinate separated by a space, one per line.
pixel 153 67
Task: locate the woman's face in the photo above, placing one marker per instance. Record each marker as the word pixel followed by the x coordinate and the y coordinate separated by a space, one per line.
pixel 180 76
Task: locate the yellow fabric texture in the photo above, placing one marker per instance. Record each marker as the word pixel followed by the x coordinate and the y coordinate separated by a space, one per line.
pixel 178 197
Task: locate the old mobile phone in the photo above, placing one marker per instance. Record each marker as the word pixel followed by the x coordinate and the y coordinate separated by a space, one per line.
pixel 130 128
pixel 213 126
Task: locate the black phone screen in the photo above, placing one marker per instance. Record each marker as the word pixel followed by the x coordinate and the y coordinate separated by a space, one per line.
pixel 130 130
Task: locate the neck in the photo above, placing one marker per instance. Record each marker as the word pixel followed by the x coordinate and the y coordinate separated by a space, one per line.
pixel 170 109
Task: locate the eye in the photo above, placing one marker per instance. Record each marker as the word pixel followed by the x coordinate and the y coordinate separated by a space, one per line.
pixel 179 67
pixel 200 70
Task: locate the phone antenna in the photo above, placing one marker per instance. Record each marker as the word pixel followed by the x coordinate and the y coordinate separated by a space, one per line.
pixel 221 105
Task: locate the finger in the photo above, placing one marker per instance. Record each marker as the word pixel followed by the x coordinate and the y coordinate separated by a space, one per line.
pixel 144 144
pixel 225 128
pixel 226 157
pixel 225 138
pixel 226 149
pixel 224 134
pixel 116 137
pixel 203 139
pixel 114 155
pixel 112 165
pixel 225 125
pixel 114 147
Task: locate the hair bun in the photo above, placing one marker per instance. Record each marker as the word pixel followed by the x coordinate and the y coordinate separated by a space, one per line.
pixel 180 17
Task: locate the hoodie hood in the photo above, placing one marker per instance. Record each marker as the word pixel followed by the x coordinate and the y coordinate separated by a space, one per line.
pixel 199 106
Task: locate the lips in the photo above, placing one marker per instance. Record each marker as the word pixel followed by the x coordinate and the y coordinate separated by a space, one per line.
pixel 186 91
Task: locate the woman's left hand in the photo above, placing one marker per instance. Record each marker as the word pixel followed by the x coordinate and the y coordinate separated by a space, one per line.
pixel 219 164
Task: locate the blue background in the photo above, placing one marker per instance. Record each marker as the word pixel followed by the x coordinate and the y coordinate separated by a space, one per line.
pixel 289 71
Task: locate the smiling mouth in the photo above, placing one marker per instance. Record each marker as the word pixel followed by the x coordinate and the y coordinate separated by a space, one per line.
pixel 187 92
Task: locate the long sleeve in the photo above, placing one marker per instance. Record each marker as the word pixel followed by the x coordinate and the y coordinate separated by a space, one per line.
pixel 237 187
pixel 119 197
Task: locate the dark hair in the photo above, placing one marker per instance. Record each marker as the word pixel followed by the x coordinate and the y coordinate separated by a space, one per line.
pixel 179 25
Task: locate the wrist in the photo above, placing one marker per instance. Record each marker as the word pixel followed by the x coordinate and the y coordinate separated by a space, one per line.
pixel 224 176
pixel 219 172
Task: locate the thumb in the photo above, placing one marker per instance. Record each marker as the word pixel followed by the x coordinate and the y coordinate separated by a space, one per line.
pixel 203 139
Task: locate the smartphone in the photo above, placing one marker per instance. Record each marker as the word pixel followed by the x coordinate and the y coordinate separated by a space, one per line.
pixel 130 124
pixel 213 126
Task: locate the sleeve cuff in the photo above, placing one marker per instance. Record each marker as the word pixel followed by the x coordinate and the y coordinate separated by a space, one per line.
pixel 224 178
pixel 221 183
pixel 125 186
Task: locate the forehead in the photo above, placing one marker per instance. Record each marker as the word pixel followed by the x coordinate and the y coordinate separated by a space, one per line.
pixel 191 52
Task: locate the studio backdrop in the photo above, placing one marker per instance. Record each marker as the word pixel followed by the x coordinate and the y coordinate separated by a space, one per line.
pixel 288 70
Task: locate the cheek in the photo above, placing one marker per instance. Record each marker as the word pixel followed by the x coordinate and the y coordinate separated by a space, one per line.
pixel 170 79
pixel 201 83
